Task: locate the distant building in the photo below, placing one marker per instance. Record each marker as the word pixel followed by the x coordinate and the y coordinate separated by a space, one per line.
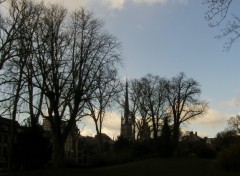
pixel 191 137
pixel 209 140
pixel 127 122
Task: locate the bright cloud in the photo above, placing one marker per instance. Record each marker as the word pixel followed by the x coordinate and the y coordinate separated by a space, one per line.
pixel 211 119
pixel 114 4
pixel 151 1
pixel 111 4
pixel 119 4
pixel 111 125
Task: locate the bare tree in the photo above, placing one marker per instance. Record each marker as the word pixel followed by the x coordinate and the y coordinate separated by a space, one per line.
pixel 234 124
pixel 16 40
pixel 11 28
pixel 219 13
pixel 183 98
pixel 151 101
pixel 72 51
pixel 107 87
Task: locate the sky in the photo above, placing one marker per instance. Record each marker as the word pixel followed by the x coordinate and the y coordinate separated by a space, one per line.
pixel 164 38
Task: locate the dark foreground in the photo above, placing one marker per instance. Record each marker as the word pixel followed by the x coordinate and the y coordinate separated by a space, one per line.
pixel 163 167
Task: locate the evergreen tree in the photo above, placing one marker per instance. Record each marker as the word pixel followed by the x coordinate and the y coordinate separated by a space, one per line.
pixel 166 146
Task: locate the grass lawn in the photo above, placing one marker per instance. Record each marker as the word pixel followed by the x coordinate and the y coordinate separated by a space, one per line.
pixel 149 167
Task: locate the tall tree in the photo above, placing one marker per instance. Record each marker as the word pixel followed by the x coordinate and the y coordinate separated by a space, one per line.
pixel 220 12
pixel 151 101
pixel 183 98
pixel 72 52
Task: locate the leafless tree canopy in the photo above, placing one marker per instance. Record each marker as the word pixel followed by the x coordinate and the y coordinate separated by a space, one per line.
pixel 60 61
pixel 155 99
pixel 219 13
pixel 183 97
pixel 234 124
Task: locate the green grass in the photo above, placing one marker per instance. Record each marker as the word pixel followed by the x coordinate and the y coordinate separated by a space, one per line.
pixel 150 167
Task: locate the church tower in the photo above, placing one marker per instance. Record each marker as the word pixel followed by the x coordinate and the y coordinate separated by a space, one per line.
pixel 126 121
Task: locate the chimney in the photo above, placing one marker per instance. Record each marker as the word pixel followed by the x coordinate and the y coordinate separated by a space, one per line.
pixel 195 133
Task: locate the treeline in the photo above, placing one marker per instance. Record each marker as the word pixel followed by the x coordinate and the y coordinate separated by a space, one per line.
pixel 155 100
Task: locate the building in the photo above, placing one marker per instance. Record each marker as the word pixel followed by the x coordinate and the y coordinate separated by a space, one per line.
pixel 127 122
pixel 5 137
pixel 71 144
pixel 191 137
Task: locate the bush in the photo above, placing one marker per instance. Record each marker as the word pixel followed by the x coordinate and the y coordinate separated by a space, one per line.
pixel 229 159
pixel 203 150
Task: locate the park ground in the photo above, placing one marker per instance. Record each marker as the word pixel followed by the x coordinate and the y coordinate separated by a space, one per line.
pixel 148 167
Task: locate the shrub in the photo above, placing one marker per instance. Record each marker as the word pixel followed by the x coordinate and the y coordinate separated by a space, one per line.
pixel 203 150
pixel 229 159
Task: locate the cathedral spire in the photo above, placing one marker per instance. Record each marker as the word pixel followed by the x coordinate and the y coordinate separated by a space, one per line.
pixel 126 105
pixel 126 122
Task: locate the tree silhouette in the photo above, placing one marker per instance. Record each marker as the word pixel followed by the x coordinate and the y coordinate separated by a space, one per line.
pixel 64 53
pixel 234 124
pixel 184 102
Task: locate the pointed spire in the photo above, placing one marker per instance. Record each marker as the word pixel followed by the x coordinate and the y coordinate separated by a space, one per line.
pixel 126 106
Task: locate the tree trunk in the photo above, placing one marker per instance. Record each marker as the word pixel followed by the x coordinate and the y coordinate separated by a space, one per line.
pixel 13 126
pixel 99 134
pixel 58 153
pixel 155 132
pixel 176 134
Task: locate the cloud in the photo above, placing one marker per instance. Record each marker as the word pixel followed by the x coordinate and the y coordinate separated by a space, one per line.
pixel 111 125
pixel 111 4
pixel 114 4
pixel 150 1
pixel 234 102
pixel 212 119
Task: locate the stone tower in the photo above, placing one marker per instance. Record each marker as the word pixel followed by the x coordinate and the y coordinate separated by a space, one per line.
pixel 126 121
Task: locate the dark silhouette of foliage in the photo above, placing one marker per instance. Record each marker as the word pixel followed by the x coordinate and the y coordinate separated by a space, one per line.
pixel 229 159
pixel 225 139
pixel 234 124
pixel 121 144
pixel 203 150
pixel 166 143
